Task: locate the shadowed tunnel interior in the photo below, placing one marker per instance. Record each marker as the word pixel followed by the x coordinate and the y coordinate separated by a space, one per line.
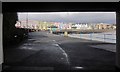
pixel 9 20
pixel 35 50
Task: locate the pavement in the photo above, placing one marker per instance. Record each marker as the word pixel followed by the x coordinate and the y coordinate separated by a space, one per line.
pixel 108 37
pixel 45 51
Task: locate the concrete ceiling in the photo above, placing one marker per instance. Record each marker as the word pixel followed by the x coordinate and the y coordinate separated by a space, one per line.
pixel 60 0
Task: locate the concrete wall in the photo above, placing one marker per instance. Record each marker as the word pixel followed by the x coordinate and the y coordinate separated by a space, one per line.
pixel 9 20
pixel 1 48
pixel 118 39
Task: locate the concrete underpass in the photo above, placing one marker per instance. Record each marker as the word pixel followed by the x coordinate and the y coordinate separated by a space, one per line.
pixel 42 50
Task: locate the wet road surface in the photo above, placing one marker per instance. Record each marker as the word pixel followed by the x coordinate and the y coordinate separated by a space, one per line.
pixel 43 50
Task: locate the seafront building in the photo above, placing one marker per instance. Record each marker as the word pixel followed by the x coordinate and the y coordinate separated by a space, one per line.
pixel 43 25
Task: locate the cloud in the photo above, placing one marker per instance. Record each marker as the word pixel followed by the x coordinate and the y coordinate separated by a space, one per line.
pixel 82 17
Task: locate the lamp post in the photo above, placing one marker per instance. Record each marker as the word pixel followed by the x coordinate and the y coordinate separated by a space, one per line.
pixel 50 28
pixel 66 33
pixel 27 22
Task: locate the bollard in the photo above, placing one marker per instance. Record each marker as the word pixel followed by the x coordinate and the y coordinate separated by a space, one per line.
pixel 51 31
pixel 66 34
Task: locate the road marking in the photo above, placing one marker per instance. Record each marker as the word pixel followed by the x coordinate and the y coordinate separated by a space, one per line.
pixel 56 45
pixel 64 53
pixel 29 48
pixel 78 67
pixel 23 48
pixel 26 48
pixel 62 58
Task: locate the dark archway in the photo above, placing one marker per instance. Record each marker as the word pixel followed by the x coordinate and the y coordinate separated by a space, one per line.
pixel 68 7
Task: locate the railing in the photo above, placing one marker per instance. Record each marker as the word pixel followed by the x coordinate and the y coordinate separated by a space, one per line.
pixel 100 37
pixel 110 38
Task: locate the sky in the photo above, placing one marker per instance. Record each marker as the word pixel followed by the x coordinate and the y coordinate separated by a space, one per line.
pixel 75 17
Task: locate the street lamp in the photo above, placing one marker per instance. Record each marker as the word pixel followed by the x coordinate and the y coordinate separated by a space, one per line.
pixel 66 33
pixel 27 21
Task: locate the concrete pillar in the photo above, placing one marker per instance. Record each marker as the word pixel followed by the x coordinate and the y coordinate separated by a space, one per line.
pixel 118 39
pixel 1 47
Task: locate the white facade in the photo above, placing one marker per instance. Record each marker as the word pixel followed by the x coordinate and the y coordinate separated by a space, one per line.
pixel 30 24
pixel 114 27
pixel 81 26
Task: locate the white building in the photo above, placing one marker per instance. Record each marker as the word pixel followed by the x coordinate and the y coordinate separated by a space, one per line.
pixel 30 24
pixel 81 26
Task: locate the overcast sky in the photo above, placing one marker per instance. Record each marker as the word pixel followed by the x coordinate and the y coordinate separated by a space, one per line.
pixel 77 17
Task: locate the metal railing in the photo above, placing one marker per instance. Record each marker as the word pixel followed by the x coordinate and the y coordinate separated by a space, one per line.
pixel 100 37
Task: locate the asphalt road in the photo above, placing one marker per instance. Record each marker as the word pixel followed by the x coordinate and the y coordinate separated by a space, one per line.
pixel 43 50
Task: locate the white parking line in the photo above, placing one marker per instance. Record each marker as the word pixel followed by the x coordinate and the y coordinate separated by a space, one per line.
pixel 64 53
